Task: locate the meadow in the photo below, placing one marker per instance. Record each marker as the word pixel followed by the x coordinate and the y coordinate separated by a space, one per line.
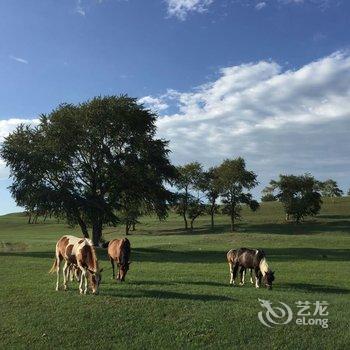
pixel 177 293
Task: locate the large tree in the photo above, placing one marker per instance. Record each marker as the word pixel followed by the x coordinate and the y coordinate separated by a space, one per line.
pixel 298 194
pixel 81 159
pixel 235 181
pixel 189 180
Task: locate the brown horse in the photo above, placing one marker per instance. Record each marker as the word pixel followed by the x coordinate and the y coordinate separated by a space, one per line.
pixel 252 259
pixel 231 259
pixel 80 258
pixel 119 251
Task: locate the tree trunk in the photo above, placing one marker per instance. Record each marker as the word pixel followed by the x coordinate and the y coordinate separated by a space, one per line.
pixel 127 228
pixel 212 210
pixel 232 223
pixel 185 219
pixel 287 217
pixel 82 225
pixel 29 218
pixel 133 226
pixel 192 221
pixel 96 231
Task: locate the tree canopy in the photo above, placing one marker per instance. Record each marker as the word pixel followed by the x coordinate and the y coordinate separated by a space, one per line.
pixel 298 194
pixel 84 160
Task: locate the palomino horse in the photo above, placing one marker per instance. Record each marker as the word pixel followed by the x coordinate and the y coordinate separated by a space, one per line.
pixel 79 256
pixel 251 259
pixel 119 251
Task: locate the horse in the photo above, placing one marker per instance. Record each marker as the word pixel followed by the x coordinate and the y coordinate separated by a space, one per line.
pixel 80 260
pixel 231 257
pixel 119 251
pixel 253 259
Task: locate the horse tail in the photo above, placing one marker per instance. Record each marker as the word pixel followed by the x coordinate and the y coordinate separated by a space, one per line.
pixel 54 266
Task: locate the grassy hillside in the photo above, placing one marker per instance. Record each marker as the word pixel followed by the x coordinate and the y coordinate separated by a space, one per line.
pixel 177 293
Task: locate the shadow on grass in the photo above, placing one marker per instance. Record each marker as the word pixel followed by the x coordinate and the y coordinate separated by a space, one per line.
pixel 161 294
pixel 334 217
pixel 305 228
pixel 314 288
pixel 157 255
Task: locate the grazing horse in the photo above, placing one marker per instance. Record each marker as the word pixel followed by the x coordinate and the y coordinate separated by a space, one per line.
pixel 252 259
pixel 80 259
pixel 119 251
pixel 231 258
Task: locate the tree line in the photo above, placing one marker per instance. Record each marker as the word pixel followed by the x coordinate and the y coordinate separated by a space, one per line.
pixel 99 163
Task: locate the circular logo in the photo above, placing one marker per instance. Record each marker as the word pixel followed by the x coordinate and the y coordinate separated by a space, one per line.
pixel 274 315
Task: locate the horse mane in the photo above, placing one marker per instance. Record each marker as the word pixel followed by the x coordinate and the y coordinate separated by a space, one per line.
pixel 264 266
pixel 93 258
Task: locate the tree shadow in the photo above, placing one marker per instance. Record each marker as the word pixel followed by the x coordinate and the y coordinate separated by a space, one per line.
pixel 334 217
pixel 314 288
pixel 305 228
pixel 161 294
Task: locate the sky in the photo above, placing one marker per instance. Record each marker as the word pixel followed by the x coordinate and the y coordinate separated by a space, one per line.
pixel 265 80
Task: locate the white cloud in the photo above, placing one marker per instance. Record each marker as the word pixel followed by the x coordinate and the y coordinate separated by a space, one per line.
pixel 18 59
pixel 281 121
pixel 260 5
pixel 154 103
pixel 180 8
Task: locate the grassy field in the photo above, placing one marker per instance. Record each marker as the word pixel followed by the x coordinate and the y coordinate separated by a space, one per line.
pixel 177 293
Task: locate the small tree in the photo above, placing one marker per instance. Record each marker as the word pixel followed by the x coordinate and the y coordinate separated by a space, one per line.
pixel 189 179
pixel 211 187
pixel 329 188
pixel 299 195
pixel 267 194
pixel 235 180
pixel 348 192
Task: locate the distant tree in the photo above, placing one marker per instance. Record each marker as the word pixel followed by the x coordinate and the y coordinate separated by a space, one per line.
pixel 189 180
pixel 267 194
pixel 81 158
pixel 348 192
pixel 329 188
pixel 211 187
pixel 299 195
pixel 235 180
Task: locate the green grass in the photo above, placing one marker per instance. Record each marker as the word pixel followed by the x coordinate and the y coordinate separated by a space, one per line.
pixel 177 293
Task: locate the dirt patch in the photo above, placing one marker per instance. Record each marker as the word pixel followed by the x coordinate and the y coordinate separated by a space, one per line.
pixel 13 246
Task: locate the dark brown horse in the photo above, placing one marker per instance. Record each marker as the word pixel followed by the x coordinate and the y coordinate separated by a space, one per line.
pixel 119 251
pixel 244 258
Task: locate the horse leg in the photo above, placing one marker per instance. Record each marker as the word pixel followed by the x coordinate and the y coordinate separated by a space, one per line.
pixel 242 276
pixel 82 279
pixel 257 271
pixel 113 273
pixel 66 271
pixel 58 271
pixel 251 276
pixel 230 264
pixel 235 269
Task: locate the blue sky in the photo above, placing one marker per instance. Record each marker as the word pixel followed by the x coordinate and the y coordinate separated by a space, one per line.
pixel 268 80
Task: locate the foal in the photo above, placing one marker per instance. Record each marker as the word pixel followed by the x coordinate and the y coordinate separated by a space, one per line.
pixel 119 251
pixel 80 258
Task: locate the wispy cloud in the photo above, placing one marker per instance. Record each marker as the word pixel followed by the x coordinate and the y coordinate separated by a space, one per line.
pixel 18 59
pixel 181 8
pixel 79 8
pixel 260 5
